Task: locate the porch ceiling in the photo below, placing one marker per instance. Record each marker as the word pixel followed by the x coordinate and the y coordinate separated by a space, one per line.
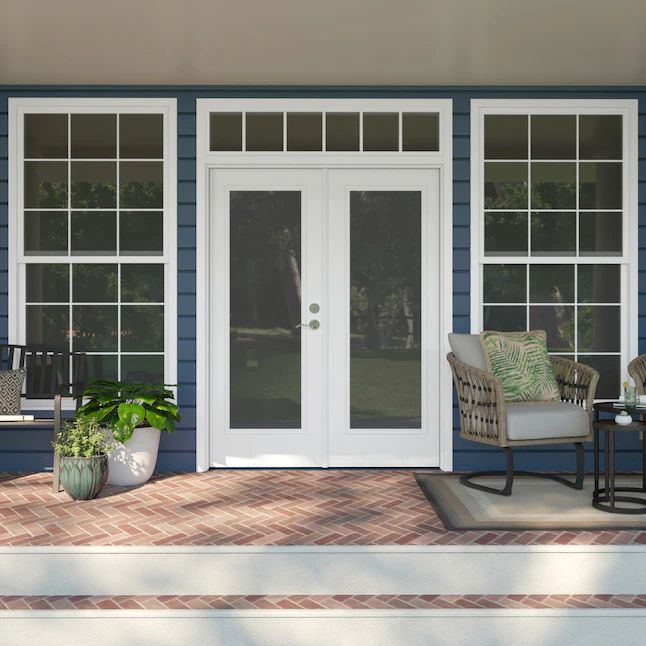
pixel 289 42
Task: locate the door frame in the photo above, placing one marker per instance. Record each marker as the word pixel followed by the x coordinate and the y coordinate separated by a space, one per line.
pixel 206 160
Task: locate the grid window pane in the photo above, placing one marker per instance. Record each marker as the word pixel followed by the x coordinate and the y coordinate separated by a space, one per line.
pixel 601 234
pixel 558 323
pixel 94 185
pixel 142 283
pixel 141 185
pixel 48 283
pixel 141 136
pixel 506 318
pixel 505 186
pixel 147 368
pixel 505 234
pixel 264 131
pixel 94 283
pixel 609 368
pixel 420 131
pixel 553 185
pixel 599 283
pixel 45 136
pixel 304 131
pixel 102 367
pixel 94 233
pixel 94 136
pixel 553 233
pixel 505 284
pixel 48 326
pixel 142 328
pixel 505 136
pixel 554 136
pixel 94 328
pixel 380 131
pixel 598 328
pixel 551 284
pixel 342 131
pixel 45 233
pixel 600 185
pixel 225 131
pixel 600 136
pixel 141 233
pixel 45 184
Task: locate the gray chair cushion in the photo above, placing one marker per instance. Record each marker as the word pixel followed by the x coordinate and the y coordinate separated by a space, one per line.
pixel 468 349
pixel 545 420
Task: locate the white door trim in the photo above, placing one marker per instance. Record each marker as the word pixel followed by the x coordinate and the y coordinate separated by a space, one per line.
pixel 206 160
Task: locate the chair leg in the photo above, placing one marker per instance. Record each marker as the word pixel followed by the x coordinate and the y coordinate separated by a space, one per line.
pixel 466 478
pixel 580 465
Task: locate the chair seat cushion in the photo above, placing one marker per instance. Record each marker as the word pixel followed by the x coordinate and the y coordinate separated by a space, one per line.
pixel 545 420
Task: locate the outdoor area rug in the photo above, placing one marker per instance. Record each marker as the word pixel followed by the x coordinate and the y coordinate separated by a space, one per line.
pixel 535 504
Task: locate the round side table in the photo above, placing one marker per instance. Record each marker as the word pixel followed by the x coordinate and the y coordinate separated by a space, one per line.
pixel 606 498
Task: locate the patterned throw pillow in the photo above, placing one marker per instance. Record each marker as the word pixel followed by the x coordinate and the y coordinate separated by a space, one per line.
pixel 10 390
pixel 521 362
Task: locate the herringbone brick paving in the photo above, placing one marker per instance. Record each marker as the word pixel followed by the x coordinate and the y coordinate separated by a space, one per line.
pixel 326 602
pixel 253 507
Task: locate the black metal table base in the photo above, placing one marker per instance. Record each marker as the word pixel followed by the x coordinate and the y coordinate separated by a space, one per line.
pixel 606 498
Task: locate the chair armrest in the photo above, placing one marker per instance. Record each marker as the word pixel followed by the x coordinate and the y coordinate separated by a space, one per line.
pixel 483 414
pixel 637 370
pixel 577 382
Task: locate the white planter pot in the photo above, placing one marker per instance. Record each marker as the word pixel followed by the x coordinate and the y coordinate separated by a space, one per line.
pixel 133 463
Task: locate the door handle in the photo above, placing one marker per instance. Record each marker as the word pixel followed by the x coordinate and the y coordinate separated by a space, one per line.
pixel 313 325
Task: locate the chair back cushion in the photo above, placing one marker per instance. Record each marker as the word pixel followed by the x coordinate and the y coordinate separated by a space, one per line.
pixel 467 348
pixel 521 362
pixel 11 382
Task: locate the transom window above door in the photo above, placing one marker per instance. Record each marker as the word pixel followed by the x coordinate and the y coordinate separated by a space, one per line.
pixel 554 227
pixel 341 129
pixel 93 221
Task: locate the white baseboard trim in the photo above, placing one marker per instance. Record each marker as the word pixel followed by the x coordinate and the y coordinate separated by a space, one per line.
pixel 320 628
pixel 322 570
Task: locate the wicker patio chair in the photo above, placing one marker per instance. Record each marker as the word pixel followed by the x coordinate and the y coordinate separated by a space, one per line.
pixel 637 370
pixel 486 417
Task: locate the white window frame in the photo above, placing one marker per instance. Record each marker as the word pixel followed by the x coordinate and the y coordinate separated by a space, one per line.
pixel 628 109
pixel 207 160
pixel 17 260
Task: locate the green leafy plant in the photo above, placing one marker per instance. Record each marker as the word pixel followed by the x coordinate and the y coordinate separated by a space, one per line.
pixel 123 407
pixel 82 438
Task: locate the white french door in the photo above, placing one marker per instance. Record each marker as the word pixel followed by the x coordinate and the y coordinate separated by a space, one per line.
pixel 324 308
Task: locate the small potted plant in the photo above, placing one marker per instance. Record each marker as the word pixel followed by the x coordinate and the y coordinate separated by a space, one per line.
pixel 135 414
pixel 83 447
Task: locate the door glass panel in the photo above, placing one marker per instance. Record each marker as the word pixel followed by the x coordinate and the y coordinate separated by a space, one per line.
pixel 225 131
pixel 385 309
pixel 420 131
pixel 380 131
pixel 265 302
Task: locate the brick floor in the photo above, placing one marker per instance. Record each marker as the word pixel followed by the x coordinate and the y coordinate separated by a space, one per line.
pixel 253 507
pixel 326 602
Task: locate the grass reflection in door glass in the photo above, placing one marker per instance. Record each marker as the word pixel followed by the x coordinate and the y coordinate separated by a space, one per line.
pixel 265 363
pixel 385 309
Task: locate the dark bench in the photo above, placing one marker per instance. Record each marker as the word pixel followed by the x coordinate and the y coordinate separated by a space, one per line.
pixel 50 375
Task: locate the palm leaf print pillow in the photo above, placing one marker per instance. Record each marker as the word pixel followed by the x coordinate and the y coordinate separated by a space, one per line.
pixel 521 362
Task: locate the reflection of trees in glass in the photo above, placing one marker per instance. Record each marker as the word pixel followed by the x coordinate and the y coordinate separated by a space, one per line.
pixel 265 258
pixel 141 195
pixel 96 194
pixel 385 266
pixel 51 194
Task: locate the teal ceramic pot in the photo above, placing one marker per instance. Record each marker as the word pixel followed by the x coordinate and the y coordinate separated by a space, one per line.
pixel 83 478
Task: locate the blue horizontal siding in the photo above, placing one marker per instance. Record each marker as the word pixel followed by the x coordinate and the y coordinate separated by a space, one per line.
pixel 29 450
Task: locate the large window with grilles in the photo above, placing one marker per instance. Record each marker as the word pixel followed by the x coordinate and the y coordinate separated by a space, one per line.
pixel 554 227
pixel 92 232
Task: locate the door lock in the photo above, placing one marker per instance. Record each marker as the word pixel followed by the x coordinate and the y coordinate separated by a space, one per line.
pixel 314 308
pixel 313 325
